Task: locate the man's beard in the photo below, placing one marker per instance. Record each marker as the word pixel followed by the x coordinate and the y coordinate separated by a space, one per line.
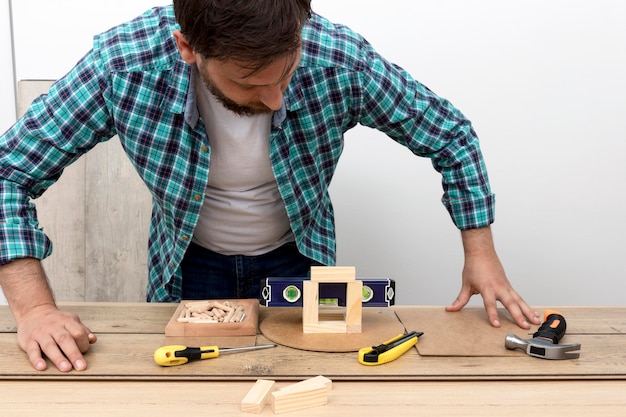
pixel 251 109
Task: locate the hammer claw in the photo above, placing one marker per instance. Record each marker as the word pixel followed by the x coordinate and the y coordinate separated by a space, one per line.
pixel 571 351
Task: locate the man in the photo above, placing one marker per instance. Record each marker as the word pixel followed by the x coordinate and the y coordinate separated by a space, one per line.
pixel 235 122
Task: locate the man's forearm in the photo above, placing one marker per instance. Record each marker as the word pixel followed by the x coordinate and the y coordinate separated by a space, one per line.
pixel 477 241
pixel 25 286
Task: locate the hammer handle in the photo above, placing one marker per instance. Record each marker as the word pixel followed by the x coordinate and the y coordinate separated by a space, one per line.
pixel 553 327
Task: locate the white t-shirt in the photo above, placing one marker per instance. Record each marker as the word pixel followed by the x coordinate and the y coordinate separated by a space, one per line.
pixel 243 212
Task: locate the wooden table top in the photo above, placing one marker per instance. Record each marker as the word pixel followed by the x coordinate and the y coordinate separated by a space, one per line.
pixel 129 333
pixel 122 378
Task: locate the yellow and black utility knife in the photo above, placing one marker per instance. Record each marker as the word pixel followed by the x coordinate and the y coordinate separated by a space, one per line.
pixel 390 350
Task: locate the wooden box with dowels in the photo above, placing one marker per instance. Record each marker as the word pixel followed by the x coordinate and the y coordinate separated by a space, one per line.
pixel 214 318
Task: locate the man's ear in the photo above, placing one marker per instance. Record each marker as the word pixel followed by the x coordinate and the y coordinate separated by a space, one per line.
pixel 186 51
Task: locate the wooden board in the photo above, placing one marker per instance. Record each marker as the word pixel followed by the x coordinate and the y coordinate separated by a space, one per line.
pixel 130 357
pixel 247 327
pixel 152 317
pixel 125 349
pixel 105 317
pixel 463 333
pixel 157 398
pixel 469 333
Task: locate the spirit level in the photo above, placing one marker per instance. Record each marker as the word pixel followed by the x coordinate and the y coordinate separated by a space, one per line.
pixel 287 292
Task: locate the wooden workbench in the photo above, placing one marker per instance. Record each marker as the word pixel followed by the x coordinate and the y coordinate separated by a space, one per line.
pixel 122 377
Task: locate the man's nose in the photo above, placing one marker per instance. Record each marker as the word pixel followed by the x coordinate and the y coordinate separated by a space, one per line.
pixel 272 97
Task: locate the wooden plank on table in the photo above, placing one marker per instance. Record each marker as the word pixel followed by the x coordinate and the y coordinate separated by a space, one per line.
pixel 580 320
pixel 593 320
pixel 130 356
pixel 123 317
pixel 153 317
pixel 110 317
pixel 125 348
pixel 367 399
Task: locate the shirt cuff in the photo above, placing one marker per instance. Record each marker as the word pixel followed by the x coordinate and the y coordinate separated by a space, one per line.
pixel 471 213
pixel 22 241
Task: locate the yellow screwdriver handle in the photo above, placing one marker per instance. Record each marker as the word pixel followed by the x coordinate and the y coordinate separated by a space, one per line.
pixel 173 355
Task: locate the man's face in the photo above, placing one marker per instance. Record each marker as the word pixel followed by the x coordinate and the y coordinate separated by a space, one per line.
pixel 246 93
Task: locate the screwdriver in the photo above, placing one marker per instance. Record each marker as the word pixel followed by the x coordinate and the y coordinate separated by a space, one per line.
pixel 173 355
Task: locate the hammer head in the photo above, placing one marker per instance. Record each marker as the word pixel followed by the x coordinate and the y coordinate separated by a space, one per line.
pixel 542 348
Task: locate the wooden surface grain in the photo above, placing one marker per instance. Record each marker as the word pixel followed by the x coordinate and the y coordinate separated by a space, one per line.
pixel 129 333
pixel 404 398
pixel 122 378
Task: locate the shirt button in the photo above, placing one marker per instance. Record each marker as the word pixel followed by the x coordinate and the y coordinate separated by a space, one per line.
pixel 197 197
pixel 172 264
pixel 204 148
pixel 185 237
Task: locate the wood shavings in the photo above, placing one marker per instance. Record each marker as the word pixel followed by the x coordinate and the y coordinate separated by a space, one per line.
pixel 211 312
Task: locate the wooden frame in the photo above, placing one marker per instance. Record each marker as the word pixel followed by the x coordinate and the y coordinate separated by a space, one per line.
pixel 333 321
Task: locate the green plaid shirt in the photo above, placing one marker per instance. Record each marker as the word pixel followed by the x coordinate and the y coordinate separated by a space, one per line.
pixel 134 84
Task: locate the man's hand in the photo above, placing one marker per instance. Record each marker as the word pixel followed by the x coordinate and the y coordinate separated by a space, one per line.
pixel 58 335
pixel 43 329
pixel 483 274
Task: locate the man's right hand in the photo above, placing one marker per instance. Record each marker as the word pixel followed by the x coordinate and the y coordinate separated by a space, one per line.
pixel 59 335
pixel 43 329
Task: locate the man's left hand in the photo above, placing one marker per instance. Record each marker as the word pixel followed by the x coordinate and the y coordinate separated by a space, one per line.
pixel 483 274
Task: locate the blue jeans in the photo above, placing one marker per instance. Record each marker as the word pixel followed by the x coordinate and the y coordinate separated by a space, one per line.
pixel 210 275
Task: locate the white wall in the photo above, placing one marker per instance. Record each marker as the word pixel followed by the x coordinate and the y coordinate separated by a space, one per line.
pixel 7 98
pixel 543 83
pixel 52 35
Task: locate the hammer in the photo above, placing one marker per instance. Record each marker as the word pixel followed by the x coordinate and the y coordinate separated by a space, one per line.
pixel 544 343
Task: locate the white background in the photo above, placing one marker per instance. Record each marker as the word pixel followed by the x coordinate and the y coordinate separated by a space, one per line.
pixel 544 84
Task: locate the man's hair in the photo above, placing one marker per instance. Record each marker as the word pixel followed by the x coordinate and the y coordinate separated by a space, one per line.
pixel 252 31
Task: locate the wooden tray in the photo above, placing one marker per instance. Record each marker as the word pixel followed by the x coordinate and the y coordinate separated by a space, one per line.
pixel 247 327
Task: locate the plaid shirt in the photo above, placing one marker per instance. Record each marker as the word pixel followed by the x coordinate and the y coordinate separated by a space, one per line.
pixel 135 85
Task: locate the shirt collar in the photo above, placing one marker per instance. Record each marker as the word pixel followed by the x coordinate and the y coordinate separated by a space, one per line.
pixel 291 99
pixel 191 106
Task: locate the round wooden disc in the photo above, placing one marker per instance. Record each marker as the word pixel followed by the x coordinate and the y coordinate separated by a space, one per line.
pixel 285 328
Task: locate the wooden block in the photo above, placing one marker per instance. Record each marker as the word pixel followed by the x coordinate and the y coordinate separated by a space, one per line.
pixel 312 392
pixel 311 322
pixel 352 316
pixel 258 396
pixel 303 385
pixel 354 306
pixel 333 273
pixel 310 304
pixel 247 327
pixel 334 326
pixel 284 402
